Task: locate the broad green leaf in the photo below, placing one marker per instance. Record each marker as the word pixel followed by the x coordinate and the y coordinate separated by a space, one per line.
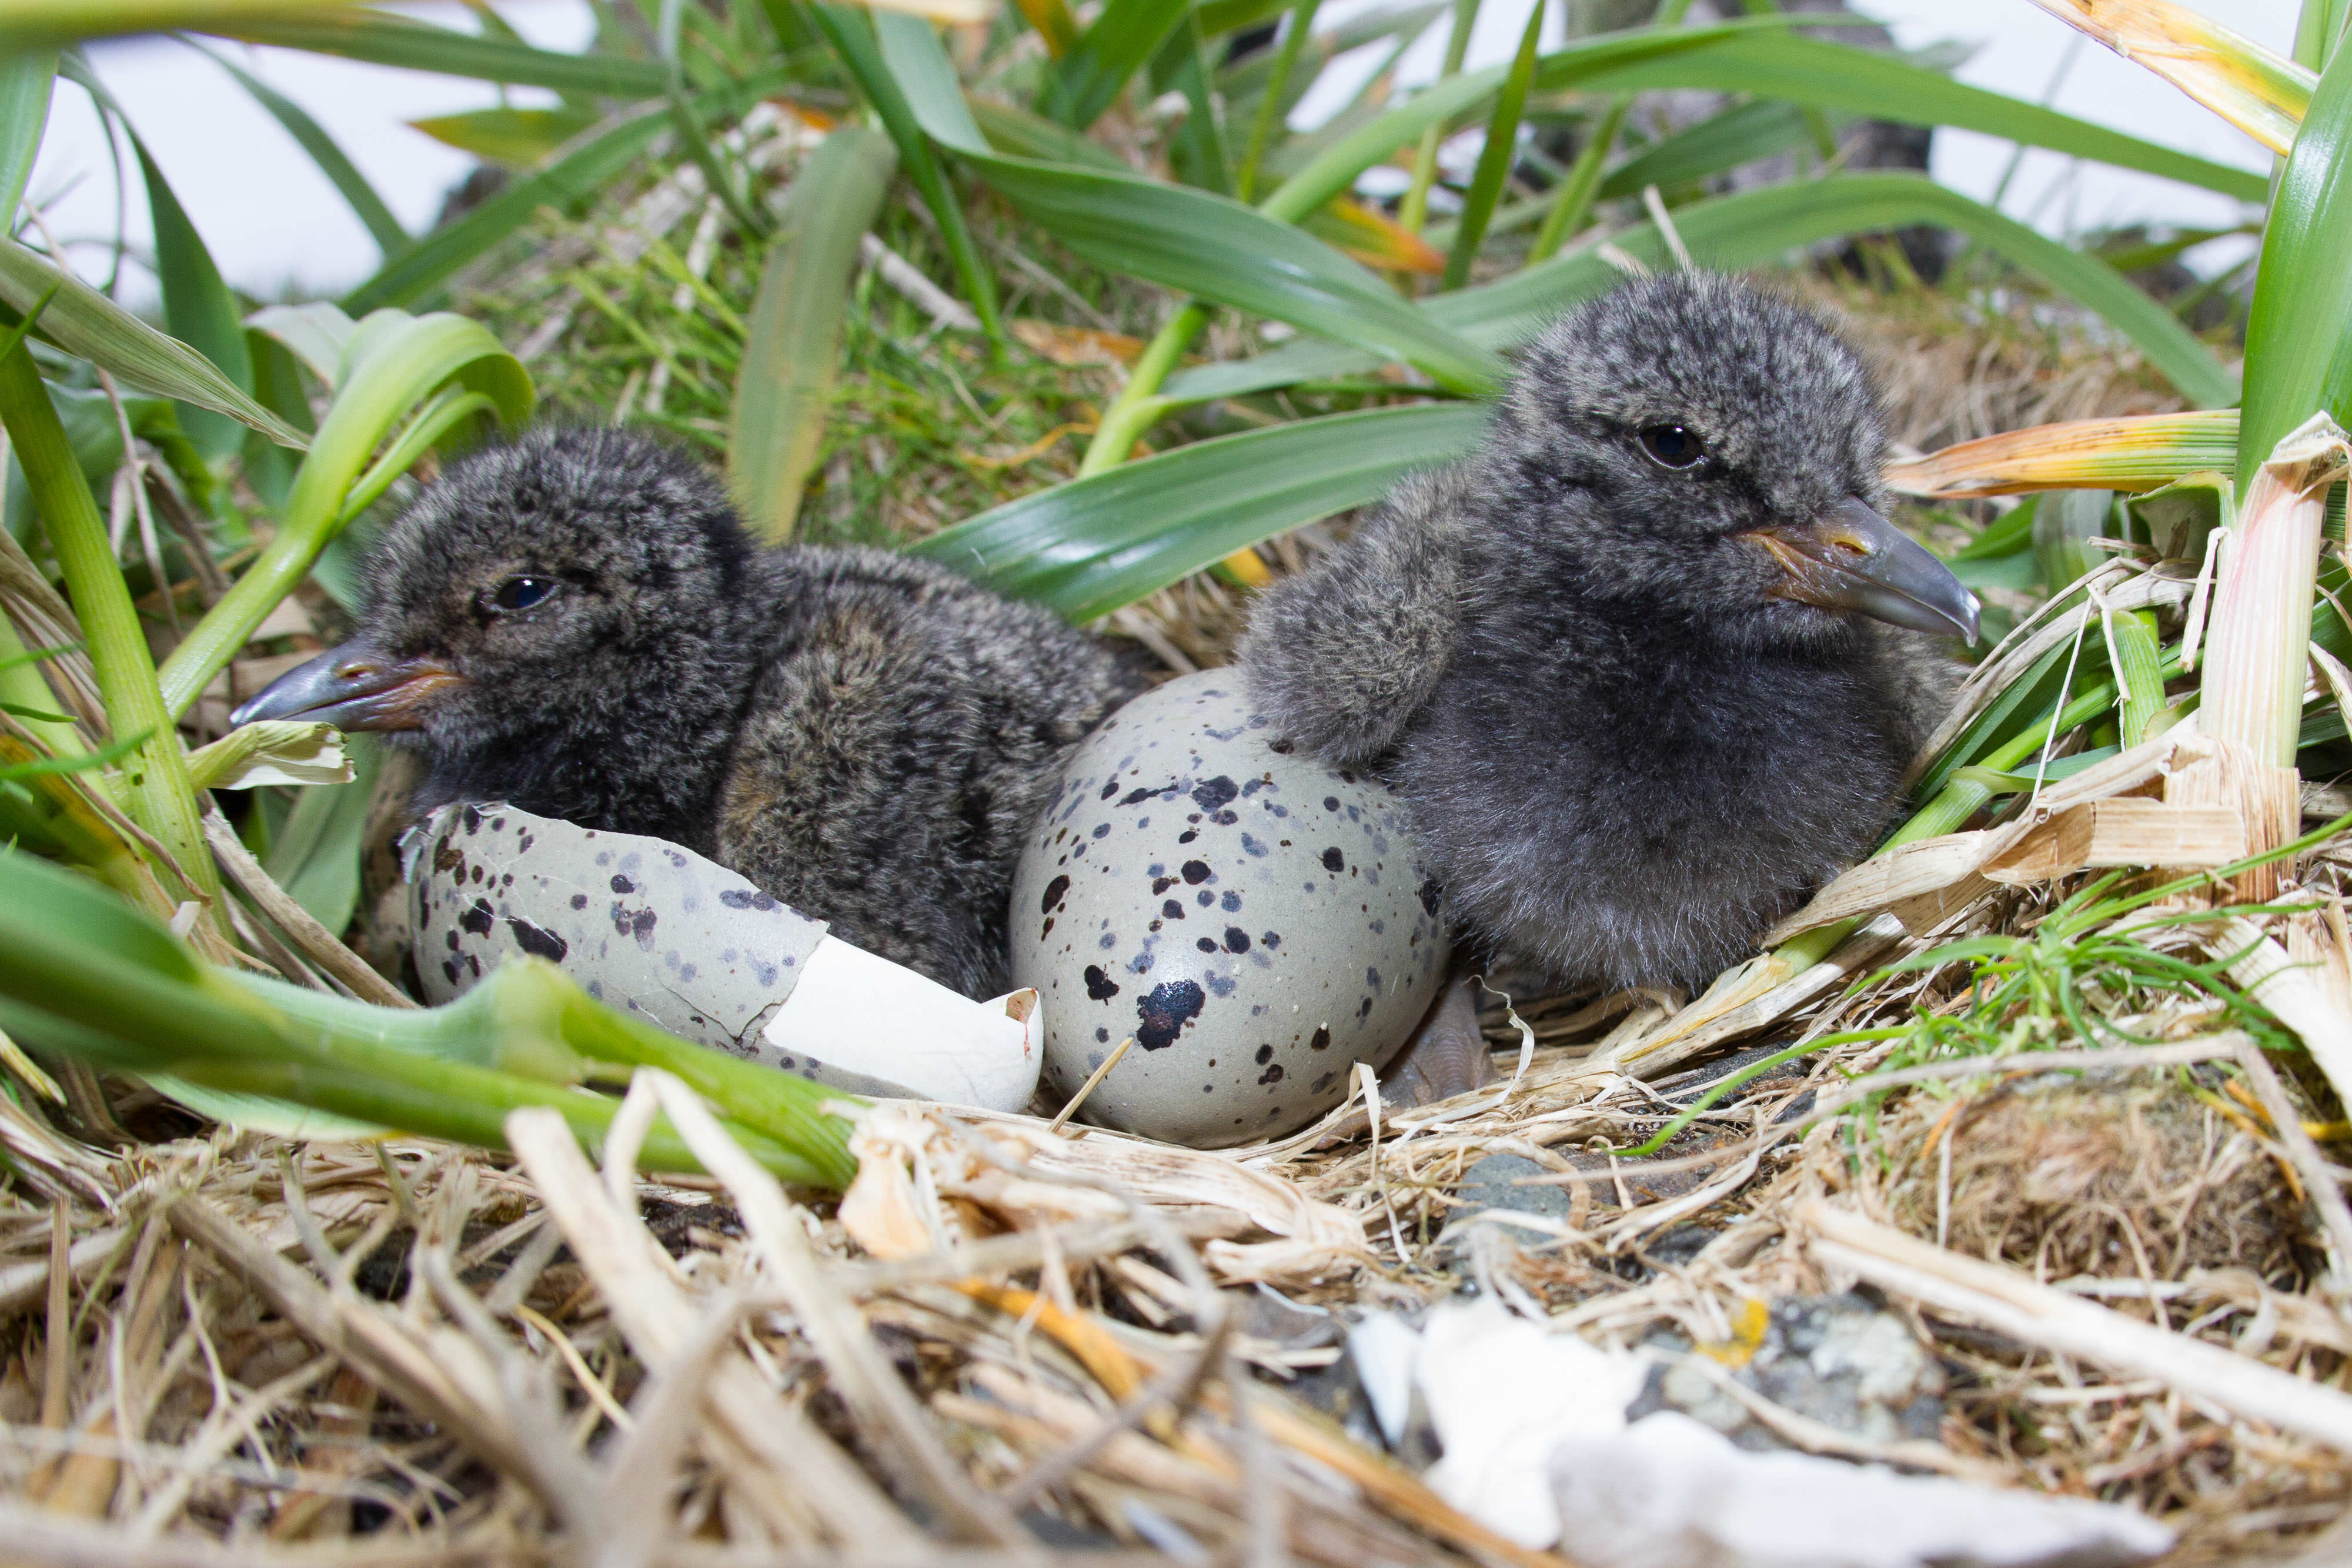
pixel 1021 133
pixel 855 44
pixel 1232 16
pixel 198 306
pixel 926 78
pixel 1774 63
pixel 1218 249
pixel 517 138
pixel 1495 156
pixel 385 38
pixel 318 334
pixel 317 858
pixel 784 388
pixel 84 322
pixel 1334 171
pixel 2318 30
pixel 1091 545
pixel 1089 78
pixel 1740 134
pixel 2299 330
pixel 2255 91
pixel 1202 244
pixel 26 79
pixel 1747 230
pixel 312 137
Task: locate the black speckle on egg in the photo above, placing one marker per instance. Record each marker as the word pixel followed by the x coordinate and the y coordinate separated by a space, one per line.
pixel 622 885
pixel 477 919
pixel 1272 1074
pixel 1196 871
pixel 1236 939
pixel 1213 794
pixel 1334 862
pixel 1206 944
pixel 579 901
pixel 1330 802
pixel 1162 1014
pixel 1265 1054
pixel 1102 1035
pixel 538 942
pixel 1101 987
pixel 1054 890
pixel 1160 885
pixel 1322 1040
pixel 1110 789
pixel 1173 909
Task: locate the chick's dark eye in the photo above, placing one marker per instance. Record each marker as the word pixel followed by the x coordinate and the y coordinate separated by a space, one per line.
pixel 1676 445
pixel 521 593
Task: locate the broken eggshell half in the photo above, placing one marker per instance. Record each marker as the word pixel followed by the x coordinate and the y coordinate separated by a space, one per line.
pixel 655 929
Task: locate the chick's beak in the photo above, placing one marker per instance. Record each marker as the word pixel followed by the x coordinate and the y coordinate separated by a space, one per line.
pixel 1853 559
pixel 352 687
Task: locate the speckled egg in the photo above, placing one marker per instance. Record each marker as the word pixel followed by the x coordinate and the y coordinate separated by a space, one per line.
pixel 1257 920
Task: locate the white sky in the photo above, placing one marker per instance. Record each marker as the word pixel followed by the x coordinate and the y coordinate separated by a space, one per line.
pixel 275 227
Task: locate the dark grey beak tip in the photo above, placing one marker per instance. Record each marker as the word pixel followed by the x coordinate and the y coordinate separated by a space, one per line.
pixel 1900 582
pixel 351 687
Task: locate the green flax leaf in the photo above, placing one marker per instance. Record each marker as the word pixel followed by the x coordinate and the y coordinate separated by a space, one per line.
pixel 1091 545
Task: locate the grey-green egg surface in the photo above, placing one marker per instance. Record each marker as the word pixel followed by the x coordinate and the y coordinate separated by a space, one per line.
pixel 1257 920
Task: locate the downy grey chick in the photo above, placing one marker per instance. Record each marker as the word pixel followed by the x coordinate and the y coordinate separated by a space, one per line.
pixel 578 624
pixel 1638 665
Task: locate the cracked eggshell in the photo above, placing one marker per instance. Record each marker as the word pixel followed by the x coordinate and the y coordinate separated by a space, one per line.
pixel 655 929
pixel 1257 920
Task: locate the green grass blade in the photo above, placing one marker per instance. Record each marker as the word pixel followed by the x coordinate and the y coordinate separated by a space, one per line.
pixel 1747 230
pixel 1333 172
pixel 1496 157
pixel 198 308
pixel 85 323
pixel 413 274
pixel 155 781
pixel 858 44
pixel 312 137
pixel 384 38
pixel 1773 63
pixel 784 388
pixel 26 80
pixel 2299 331
pixel 1091 545
pixel 1089 78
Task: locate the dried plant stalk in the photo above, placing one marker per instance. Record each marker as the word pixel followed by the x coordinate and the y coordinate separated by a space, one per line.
pixel 2261 633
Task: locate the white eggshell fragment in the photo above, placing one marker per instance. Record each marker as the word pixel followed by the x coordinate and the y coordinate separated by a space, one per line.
pixel 1257 920
pixel 651 927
